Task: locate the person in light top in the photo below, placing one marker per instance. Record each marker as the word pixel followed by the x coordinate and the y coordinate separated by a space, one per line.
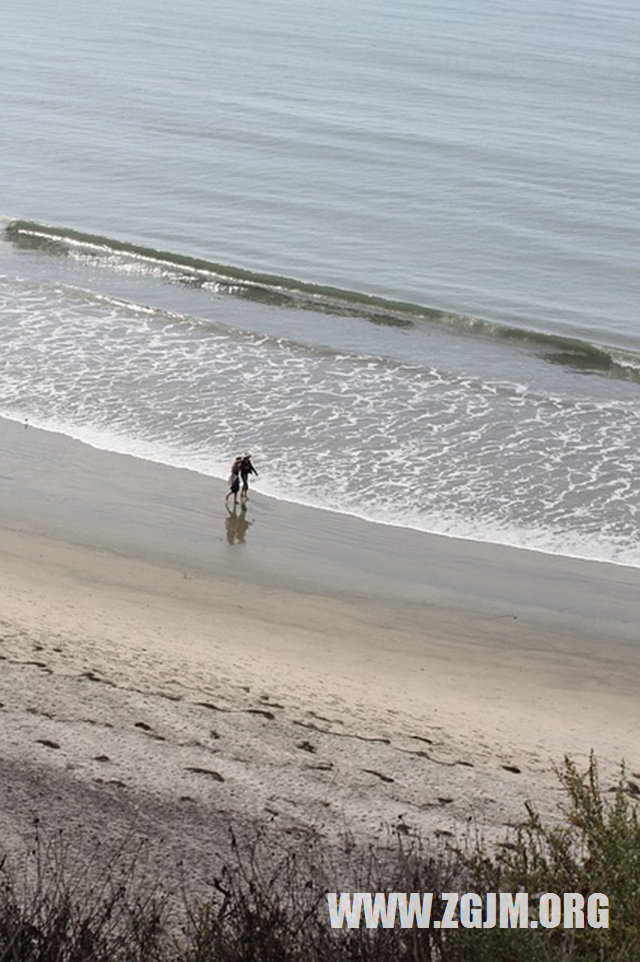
pixel 234 481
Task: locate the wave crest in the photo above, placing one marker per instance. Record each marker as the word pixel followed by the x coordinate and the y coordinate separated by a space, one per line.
pixel 292 293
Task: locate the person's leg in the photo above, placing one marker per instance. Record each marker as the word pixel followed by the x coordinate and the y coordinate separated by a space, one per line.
pixel 233 490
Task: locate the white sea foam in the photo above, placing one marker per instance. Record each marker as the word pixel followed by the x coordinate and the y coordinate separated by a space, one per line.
pixel 540 539
pixel 388 441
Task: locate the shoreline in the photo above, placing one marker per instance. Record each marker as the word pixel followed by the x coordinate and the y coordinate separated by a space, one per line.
pixel 334 512
pixel 285 529
pixel 328 670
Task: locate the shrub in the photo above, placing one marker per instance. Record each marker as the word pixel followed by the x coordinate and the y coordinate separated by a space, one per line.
pixel 268 900
pixel 594 848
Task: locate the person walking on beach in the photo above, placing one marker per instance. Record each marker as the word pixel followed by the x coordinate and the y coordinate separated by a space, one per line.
pixel 246 468
pixel 234 481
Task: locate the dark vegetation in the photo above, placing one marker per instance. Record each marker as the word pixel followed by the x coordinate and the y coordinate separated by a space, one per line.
pixel 267 903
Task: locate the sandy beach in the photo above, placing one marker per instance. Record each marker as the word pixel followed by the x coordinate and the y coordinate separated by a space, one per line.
pixel 166 668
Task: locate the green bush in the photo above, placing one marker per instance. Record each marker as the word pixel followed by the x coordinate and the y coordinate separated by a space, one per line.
pixel 594 848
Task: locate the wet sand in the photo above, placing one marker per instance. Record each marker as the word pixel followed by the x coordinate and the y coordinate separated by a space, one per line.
pixel 166 667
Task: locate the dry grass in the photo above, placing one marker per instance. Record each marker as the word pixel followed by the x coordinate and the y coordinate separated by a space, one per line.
pixel 268 901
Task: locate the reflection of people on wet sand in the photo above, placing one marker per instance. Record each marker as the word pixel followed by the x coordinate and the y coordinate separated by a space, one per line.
pixel 234 482
pixel 246 468
pixel 237 525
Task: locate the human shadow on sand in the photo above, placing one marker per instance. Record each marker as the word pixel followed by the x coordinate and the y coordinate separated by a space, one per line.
pixel 237 525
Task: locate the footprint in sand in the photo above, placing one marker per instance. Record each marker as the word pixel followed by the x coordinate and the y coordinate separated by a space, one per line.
pixel 383 778
pixel 91 676
pixel 148 730
pixel 205 771
pixel 260 711
pixel 267 701
pixel 210 706
pixel 39 664
pixel 47 743
pixel 248 711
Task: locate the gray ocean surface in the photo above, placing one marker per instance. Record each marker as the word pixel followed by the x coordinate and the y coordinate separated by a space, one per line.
pixel 393 249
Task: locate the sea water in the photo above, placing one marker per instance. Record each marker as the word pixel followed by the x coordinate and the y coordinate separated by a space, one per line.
pixel 390 248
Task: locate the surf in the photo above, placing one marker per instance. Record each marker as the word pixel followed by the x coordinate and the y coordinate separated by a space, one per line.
pixel 282 291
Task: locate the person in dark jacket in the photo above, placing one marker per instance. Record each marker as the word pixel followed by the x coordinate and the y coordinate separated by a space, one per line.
pixel 246 468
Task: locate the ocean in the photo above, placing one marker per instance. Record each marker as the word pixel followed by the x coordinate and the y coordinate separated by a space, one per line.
pixel 391 249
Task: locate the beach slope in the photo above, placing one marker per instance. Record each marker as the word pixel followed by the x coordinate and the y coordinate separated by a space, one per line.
pixel 167 668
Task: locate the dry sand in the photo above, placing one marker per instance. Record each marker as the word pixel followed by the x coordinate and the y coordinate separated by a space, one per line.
pixel 165 669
